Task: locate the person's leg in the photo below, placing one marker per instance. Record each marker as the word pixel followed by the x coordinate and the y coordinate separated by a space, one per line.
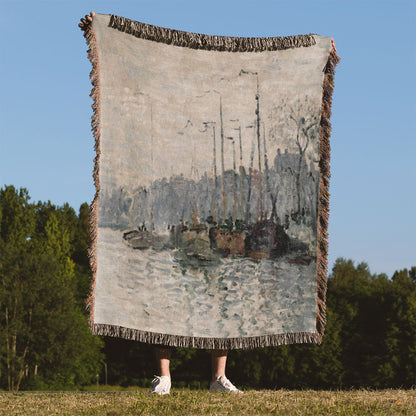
pixel 218 363
pixel 163 360
pixel 219 381
pixel 162 383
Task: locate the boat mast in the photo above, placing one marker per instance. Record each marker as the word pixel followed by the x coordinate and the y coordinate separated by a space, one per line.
pixel 152 224
pixel 234 179
pixel 241 175
pixel 150 193
pixel 214 166
pixel 266 169
pixel 250 174
pixel 241 172
pixel 224 203
pixel 214 203
pixel 258 146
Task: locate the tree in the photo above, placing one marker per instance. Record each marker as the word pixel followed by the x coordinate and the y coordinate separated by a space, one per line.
pixel 378 320
pixel 80 246
pixel 401 336
pixel 17 224
pixel 45 331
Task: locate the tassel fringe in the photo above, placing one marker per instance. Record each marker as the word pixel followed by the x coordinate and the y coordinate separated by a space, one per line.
pixel 91 39
pixel 325 174
pixel 206 343
pixel 208 42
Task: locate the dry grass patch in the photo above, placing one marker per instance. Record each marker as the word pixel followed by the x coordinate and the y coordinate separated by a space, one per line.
pixel 185 402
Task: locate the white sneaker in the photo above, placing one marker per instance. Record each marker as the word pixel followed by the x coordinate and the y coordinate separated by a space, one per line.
pixel 161 385
pixel 223 385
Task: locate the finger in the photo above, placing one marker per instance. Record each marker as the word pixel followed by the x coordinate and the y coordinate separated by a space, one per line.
pixel 86 21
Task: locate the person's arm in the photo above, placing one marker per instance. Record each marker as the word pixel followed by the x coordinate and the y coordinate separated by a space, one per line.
pixel 86 21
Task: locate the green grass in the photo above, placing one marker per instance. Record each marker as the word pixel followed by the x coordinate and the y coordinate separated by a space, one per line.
pixel 201 402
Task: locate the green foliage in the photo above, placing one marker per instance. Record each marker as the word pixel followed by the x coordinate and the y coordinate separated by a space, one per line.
pixel 377 325
pixel 45 340
pixel 80 243
pixel 401 340
pixel 370 336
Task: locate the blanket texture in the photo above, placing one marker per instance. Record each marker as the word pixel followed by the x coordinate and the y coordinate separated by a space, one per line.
pixel 209 223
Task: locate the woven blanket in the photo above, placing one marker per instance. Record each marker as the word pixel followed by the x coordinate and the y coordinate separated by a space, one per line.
pixel 209 223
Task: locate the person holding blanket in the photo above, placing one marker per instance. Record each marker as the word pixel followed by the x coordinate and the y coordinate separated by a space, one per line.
pixel 162 383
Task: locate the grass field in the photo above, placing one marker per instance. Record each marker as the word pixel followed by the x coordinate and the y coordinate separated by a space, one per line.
pixel 201 402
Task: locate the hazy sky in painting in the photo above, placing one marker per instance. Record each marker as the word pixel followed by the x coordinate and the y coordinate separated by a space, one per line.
pixel 45 139
pixel 164 107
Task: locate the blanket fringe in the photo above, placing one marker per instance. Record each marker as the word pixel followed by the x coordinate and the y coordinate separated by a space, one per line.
pixel 206 343
pixel 209 42
pixel 91 39
pixel 325 174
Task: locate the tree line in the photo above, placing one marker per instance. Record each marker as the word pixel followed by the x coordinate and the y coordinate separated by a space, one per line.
pixel 45 342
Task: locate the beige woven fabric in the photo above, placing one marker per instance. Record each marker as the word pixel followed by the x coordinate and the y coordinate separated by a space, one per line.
pixel 209 178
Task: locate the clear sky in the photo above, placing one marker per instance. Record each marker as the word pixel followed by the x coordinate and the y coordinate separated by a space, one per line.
pixel 46 145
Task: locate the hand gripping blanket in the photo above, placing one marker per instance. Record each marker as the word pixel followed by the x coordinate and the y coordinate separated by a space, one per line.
pixel 209 223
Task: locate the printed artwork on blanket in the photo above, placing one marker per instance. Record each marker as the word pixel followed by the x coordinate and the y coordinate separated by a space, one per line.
pixel 209 179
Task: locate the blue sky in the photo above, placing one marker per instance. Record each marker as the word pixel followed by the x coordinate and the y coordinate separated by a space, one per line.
pixel 46 145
